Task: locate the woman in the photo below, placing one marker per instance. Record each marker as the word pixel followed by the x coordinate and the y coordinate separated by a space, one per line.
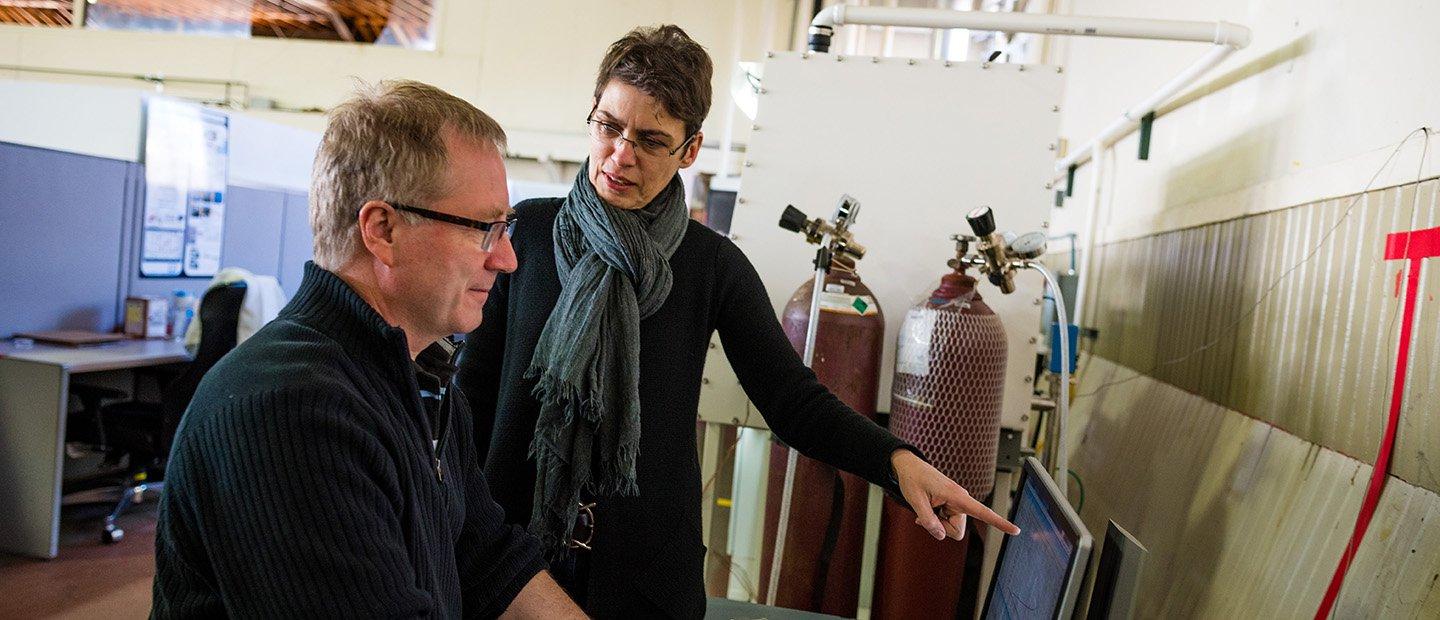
pixel 585 375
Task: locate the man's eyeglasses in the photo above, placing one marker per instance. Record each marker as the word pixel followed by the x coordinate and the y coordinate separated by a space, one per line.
pixel 492 230
pixel 604 132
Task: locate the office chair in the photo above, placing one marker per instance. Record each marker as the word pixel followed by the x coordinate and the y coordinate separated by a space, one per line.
pixel 142 430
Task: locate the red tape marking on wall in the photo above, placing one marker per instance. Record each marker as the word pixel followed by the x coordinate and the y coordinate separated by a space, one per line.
pixel 1414 246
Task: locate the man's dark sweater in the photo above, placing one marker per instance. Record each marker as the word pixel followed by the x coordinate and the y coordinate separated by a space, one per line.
pixel 648 555
pixel 308 480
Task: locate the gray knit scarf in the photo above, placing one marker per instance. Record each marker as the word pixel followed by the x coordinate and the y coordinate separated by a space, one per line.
pixel 614 271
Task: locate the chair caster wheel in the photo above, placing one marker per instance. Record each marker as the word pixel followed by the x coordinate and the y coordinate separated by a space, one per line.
pixel 111 537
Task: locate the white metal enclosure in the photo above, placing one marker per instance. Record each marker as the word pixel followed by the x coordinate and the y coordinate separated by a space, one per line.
pixel 919 143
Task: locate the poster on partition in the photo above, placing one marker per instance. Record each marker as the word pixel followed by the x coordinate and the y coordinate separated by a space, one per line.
pixel 187 156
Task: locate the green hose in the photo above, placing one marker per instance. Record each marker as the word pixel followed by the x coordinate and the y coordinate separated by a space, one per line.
pixel 1081 485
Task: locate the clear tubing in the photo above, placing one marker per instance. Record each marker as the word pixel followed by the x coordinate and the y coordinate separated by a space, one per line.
pixel 1062 463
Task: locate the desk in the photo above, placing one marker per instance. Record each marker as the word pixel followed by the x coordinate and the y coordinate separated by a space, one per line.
pixel 34 400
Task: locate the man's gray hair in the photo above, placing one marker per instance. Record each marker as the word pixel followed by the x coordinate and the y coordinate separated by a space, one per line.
pixel 386 143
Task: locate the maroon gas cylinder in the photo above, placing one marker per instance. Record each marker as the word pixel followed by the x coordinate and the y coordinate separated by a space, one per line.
pixel 945 400
pixel 820 571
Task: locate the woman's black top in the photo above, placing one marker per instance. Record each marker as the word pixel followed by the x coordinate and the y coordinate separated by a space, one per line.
pixel 648 551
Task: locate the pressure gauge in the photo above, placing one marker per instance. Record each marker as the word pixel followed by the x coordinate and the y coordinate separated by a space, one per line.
pixel 1029 246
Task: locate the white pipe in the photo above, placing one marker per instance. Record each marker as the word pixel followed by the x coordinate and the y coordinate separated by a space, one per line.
pixel 1130 119
pixel 1092 210
pixel 792 455
pixel 1219 33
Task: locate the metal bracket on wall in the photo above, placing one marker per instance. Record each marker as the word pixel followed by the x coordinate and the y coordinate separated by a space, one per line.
pixel 1146 123
pixel 1012 452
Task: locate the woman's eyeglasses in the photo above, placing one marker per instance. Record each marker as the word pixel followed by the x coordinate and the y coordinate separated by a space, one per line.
pixel 604 132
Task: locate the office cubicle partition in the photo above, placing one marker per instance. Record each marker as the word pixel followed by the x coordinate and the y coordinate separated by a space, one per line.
pixel 62 227
pixel 70 226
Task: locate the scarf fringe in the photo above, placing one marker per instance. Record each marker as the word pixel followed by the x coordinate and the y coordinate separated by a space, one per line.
pixel 619 478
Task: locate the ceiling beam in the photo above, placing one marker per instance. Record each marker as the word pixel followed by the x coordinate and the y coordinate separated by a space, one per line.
pixel 324 8
pixel 43 5
pixel 20 16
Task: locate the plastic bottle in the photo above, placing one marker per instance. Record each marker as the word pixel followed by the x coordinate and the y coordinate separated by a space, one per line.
pixel 182 310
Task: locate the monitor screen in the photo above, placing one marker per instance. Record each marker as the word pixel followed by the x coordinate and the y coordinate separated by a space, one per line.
pixel 1039 570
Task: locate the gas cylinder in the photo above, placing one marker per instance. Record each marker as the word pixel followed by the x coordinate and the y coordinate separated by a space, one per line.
pixel 820 570
pixel 946 400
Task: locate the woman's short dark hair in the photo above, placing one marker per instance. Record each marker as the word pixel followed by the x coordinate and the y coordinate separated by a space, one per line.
pixel 666 64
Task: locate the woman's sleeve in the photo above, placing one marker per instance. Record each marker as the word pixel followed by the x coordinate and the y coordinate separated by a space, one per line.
pixel 801 411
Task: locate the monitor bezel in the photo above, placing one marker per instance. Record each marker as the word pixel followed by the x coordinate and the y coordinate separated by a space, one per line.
pixel 1128 567
pixel 1079 559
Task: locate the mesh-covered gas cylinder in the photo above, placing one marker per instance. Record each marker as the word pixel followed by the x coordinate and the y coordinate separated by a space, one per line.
pixel 945 400
pixel 824 542
pixel 949 383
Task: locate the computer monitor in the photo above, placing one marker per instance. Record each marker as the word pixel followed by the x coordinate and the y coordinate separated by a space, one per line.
pixel 1040 570
pixel 1117 576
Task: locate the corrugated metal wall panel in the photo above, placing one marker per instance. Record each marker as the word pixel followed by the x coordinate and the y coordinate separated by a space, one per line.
pixel 1243 520
pixel 1316 358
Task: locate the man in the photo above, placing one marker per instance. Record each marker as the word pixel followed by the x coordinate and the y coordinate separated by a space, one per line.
pixel 324 467
pixel 585 377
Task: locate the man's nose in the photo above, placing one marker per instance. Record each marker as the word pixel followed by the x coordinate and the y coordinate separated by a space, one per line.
pixel 502 256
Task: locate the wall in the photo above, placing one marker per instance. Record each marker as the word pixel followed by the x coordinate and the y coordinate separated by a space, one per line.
pixel 1243 519
pixel 1220 410
pixel 1229 412
pixel 1309 110
pixel 74 118
pixel 529 64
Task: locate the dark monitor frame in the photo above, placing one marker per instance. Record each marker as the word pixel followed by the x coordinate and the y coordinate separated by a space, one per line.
pixel 1117 575
pixel 1061 512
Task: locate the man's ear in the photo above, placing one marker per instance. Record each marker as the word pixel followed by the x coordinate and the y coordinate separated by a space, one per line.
pixel 377 230
pixel 693 151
